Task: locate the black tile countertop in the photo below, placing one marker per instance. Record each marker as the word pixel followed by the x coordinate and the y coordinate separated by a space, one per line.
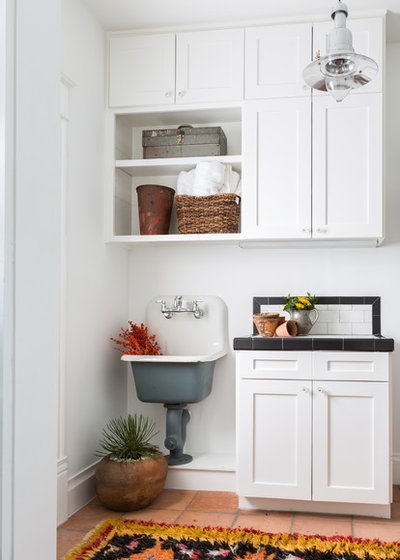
pixel 349 343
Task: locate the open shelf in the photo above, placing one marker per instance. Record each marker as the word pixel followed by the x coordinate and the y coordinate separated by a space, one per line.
pixel 176 238
pixel 171 166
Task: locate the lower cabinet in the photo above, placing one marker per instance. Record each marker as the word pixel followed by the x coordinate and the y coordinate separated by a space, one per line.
pixel 313 439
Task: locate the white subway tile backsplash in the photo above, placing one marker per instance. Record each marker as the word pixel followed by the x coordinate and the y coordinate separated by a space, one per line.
pixel 319 328
pixel 335 319
pixel 361 328
pixel 339 328
pixel 351 316
pixel 331 316
pixel 368 316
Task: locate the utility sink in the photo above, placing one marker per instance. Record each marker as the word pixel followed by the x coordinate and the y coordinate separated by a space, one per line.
pixel 192 332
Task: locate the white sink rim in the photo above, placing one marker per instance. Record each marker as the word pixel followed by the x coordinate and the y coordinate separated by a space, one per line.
pixel 174 358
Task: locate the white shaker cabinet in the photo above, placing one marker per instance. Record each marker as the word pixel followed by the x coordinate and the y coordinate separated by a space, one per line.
pixel 277 167
pixel 368 39
pixel 275 449
pixel 276 56
pixel 351 442
pixel 314 426
pixel 209 66
pixel 347 167
pixel 142 70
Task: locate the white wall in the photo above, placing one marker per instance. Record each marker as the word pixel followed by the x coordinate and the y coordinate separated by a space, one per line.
pixel 237 275
pixel 97 275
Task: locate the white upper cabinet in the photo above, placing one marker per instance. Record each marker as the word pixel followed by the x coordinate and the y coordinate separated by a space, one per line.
pixel 347 167
pixel 275 58
pixel 142 70
pixel 209 66
pixel 368 39
pixel 277 168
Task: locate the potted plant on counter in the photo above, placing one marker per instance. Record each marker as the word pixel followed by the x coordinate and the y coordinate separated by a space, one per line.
pixel 302 310
pixel 132 471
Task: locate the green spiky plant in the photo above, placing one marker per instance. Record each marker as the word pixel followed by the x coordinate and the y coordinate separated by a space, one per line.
pixel 128 439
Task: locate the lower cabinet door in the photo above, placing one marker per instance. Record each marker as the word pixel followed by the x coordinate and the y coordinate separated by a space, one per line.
pixel 274 439
pixel 351 437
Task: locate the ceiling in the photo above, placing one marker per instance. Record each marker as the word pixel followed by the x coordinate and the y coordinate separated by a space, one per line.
pixel 139 14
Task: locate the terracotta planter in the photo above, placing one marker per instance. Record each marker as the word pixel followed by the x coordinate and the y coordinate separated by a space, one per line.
pixel 128 486
pixel 266 323
pixel 155 206
pixel 289 328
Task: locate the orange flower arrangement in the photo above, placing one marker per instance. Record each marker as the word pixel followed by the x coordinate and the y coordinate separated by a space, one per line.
pixel 136 340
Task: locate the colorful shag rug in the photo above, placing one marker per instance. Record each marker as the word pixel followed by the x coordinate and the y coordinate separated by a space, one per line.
pixel 116 539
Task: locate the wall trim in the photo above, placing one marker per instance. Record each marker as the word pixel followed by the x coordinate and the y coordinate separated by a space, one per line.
pixel 62 490
pixel 81 488
pixel 396 468
pixel 184 479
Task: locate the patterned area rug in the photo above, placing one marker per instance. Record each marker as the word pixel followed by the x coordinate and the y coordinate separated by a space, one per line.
pixel 116 539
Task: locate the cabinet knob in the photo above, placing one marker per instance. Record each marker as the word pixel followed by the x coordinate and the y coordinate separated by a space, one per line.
pixel 320 390
pixel 306 229
pixel 321 230
pixel 305 389
pixel 182 93
pixel 168 94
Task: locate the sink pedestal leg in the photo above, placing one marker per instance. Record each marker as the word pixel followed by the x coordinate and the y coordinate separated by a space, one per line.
pixel 177 418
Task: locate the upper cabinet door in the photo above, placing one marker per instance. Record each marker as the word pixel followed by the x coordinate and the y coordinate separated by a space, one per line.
pixel 368 39
pixel 142 70
pixel 209 66
pixel 347 167
pixel 277 168
pixel 276 56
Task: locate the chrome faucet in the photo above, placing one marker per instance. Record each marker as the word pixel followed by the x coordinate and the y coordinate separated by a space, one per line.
pixel 177 307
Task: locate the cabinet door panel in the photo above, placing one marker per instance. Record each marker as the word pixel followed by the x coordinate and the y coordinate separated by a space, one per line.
pixel 209 66
pixel 277 167
pixel 275 58
pixel 347 167
pixel 367 40
pixel 351 442
pixel 274 443
pixel 142 70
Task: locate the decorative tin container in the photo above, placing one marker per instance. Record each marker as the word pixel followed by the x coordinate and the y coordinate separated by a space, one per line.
pixel 184 141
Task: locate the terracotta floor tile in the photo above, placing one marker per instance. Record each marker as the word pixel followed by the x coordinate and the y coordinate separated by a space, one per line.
pixel 155 515
pixel 321 526
pixel 381 531
pixel 173 499
pixel 67 540
pixel 224 502
pixel 396 493
pixel 318 516
pixel 205 519
pixel 88 517
pixel 262 522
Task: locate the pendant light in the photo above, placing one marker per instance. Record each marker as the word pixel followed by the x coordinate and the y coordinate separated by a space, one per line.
pixel 341 70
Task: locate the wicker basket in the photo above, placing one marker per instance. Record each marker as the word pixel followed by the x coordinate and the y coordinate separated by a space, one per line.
pixel 218 213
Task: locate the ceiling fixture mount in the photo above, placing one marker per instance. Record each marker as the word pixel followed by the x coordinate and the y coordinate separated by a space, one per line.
pixel 341 70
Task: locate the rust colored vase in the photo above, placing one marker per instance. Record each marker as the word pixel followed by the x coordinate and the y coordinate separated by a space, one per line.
pixel 130 485
pixel 155 206
pixel 267 323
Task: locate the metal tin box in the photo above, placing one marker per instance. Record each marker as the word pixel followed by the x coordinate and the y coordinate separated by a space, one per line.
pixel 184 141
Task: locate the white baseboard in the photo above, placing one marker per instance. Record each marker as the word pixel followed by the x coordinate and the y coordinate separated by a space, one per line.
pixel 62 491
pixel 205 472
pixel 81 489
pixel 396 468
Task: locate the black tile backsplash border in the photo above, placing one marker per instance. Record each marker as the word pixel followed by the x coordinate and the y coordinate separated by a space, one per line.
pixel 374 301
pixel 380 344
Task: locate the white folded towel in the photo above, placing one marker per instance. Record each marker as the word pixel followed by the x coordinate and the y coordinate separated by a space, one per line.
pixel 209 177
